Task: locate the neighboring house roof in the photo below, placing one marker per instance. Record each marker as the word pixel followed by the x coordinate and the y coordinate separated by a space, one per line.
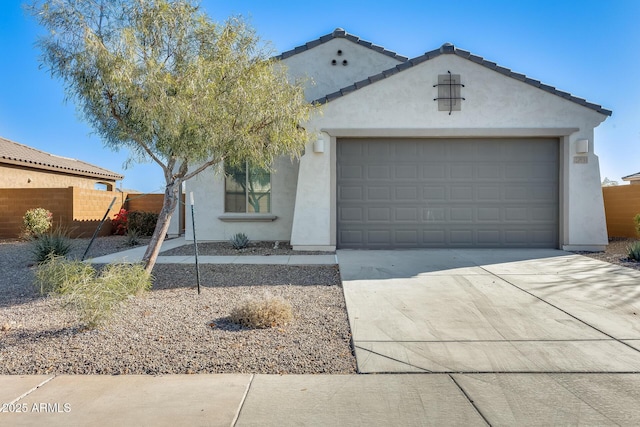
pixel 450 49
pixel 633 177
pixel 339 33
pixel 21 155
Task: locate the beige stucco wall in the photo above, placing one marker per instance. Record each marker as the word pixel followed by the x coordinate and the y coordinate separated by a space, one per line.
pixel 495 105
pixel 18 177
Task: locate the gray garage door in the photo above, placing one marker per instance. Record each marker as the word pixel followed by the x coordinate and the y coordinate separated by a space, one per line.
pixel 407 193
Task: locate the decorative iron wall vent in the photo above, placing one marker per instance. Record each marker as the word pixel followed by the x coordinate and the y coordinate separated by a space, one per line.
pixel 449 92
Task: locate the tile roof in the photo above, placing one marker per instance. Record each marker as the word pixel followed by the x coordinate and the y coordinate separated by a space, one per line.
pixel 632 177
pixel 450 49
pixel 339 33
pixel 18 154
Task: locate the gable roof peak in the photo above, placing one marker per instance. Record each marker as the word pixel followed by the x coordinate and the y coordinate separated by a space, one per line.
pixel 447 48
pixel 340 33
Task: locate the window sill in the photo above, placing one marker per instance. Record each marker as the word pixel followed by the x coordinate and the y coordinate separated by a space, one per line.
pixel 242 217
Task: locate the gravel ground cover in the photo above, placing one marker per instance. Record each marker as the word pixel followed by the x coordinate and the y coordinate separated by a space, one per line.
pixel 616 253
pixel 172 329
pixel 225 248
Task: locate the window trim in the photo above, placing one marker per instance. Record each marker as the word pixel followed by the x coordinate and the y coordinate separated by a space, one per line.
pixel 247 217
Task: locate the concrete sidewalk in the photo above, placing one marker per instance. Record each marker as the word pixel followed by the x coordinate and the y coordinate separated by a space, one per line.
pixel 136 254
pixel 321 400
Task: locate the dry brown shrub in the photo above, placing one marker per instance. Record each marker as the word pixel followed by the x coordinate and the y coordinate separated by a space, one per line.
pixel 260 313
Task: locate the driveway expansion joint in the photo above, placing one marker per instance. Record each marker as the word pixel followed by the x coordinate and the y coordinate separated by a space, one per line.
pixel 561 310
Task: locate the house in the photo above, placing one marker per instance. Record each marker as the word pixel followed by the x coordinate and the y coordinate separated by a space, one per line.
pixel 25 167
pixel 74 191
pixel 446 150
pixel 633 179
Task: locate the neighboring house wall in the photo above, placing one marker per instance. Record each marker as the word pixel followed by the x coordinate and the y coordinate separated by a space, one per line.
pixel 621 204
pixel 79 210
pixel 495 106
pixel 21 177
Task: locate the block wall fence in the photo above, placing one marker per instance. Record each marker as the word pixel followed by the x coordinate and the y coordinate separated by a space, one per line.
pixel 621 204
pixel 79 210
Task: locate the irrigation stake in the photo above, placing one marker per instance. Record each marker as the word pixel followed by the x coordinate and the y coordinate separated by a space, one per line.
pixel 95 233
pixel 195 241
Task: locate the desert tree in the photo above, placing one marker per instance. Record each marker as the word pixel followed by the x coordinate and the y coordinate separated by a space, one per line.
pixel 164 81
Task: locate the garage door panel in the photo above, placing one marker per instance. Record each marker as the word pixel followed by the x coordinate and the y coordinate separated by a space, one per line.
pixel 489 237
pixel 378 172
pixel 461 193
pixel 351 214
pixel 379 193
pixel 489 193
pixel 433 214
pixel 407 214
pixel 434 172
pixel 460 171
pixel 489 214
pixel 350 193
pixel 489 171
pixel 406 193
pixel 379 214
pixel 434 193
pixel 406 172
pixel 447 193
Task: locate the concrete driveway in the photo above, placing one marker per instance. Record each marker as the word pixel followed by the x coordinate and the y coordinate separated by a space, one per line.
pixel 491 311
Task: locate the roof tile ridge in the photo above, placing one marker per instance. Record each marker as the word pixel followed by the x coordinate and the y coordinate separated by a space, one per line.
pixel 340 33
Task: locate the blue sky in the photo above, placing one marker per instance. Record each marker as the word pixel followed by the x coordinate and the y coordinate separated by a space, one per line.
pixel 589 48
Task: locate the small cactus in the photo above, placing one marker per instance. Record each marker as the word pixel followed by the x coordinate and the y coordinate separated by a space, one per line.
pixel 239 241
pixel 634 251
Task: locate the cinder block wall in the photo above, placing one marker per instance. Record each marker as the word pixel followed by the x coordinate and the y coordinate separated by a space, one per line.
pixel 144 202
pixel 89 207
pixel 78 209
pixel 621 204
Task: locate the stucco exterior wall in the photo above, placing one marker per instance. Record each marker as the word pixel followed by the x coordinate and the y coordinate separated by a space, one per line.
pixel 18 177
pixel 494 106
pixel 208 187
pixel 362 62
pixel 208 193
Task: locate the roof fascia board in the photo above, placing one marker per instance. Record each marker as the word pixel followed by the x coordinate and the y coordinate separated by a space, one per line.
pixel 448 132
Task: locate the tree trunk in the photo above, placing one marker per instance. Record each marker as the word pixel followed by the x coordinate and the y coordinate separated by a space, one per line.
pixel 171 199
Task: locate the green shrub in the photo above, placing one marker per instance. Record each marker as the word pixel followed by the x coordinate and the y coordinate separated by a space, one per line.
pixel 53 243
pixel 56 274
pixel 262 313
pixel 636 220
pixel 634 251
pixel 36 221
pixel 92 295
pixel 143 222
pixel 239 241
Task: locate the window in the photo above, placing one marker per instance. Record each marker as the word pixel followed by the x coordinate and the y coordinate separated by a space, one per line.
pixel 247 189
